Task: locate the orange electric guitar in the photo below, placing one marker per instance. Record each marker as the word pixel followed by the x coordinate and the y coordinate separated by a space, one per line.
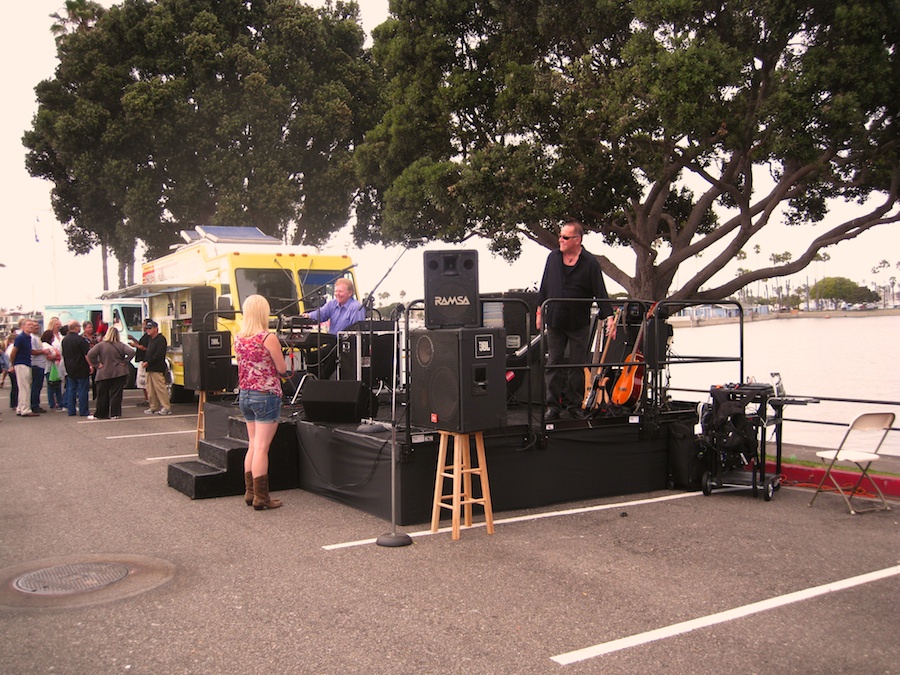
pixel 631 380
pixel 595 379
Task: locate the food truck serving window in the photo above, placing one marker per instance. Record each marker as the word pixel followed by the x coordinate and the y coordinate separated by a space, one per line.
pixel 274 285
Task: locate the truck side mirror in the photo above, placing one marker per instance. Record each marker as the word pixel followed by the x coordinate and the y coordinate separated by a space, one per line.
pixel 223 304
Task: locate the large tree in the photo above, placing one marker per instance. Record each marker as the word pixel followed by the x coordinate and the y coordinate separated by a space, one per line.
pixel 169 114
pixel 679 128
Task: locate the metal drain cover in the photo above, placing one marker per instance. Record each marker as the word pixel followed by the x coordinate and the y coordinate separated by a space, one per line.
pixel 75 578
pixel 80 580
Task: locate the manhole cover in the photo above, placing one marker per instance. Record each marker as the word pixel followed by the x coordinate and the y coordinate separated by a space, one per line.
pixel 80 580
pixel 75 578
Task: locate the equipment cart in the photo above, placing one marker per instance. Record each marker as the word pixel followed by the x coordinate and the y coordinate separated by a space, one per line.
pixel 734 439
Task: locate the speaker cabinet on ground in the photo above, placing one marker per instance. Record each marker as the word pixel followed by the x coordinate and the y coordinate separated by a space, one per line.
pixel 457 379
pixel 337 401
pixel 207 361
pixel 451 289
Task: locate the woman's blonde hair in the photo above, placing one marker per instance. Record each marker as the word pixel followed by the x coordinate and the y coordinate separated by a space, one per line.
pixel 255 309
pixel 112 334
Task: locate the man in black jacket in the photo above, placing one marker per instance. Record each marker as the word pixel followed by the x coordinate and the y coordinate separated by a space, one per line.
pixel 78 370
pixel 570 272
pixel 155 365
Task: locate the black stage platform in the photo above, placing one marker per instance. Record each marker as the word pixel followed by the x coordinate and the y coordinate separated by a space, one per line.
pixel 529 466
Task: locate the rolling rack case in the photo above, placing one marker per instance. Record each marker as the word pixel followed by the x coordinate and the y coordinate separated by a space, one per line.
pixel 734 433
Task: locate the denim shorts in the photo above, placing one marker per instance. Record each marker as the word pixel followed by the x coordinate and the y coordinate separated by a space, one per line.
pixel 258 406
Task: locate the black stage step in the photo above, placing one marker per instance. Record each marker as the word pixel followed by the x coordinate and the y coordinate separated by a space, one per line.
pixel 220 469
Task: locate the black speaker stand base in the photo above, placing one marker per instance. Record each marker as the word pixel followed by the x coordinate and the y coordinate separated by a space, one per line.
pixel 394 539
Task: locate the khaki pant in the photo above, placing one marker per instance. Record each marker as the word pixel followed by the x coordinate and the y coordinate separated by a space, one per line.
pixel 23 379
pixel 157 392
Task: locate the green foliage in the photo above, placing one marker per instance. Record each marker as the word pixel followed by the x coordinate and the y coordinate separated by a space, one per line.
pixel 164 115
pixel 841 289
pixel 669 126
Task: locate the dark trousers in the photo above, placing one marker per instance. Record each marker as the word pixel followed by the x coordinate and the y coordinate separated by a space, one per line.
pixel 77 392
pixel 37 385
pixel 109 397
pixel 14 392
pixel 565 386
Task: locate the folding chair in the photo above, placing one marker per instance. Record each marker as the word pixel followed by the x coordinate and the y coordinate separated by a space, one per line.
pixel 865 424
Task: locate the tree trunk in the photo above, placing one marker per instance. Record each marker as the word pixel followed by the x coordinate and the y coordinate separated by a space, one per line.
pixel 104 256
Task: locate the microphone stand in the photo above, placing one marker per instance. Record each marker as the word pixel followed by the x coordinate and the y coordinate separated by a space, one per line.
pixel 394 538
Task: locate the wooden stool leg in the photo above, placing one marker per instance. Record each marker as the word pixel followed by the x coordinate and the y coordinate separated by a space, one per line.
pixel 485 486
pixel 467 479
pixel 458 447
pixel 201 420
pixel 439 483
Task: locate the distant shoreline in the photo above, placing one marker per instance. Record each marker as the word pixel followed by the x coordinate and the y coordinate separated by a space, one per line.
pixel 687 322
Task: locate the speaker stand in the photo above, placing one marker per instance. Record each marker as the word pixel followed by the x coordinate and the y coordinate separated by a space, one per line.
pixel 393 538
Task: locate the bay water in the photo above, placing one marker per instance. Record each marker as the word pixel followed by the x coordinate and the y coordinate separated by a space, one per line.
pixel 816 356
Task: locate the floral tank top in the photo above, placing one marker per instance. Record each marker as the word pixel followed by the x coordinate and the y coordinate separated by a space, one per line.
pixel 256 369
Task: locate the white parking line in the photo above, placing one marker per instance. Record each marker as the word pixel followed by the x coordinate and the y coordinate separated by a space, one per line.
pixel 159 459
pixel 538 516
pixel 721 617
pixel 159 433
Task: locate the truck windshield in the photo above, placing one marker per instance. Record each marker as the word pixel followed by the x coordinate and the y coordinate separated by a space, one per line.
pixel 274 285
pixel 318 287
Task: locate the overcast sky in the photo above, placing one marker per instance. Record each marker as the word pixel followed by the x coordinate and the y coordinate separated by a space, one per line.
pixel 40 270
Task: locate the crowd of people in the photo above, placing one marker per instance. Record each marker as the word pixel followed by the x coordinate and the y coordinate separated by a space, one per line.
pixel 73 362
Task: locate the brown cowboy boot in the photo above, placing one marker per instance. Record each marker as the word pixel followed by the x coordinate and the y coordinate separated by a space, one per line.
pixel 248 488
pixel 261 499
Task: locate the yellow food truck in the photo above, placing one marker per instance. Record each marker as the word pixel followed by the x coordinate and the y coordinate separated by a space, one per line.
pixel 200 286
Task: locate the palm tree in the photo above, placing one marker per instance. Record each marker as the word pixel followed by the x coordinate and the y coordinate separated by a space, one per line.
pixel 80 15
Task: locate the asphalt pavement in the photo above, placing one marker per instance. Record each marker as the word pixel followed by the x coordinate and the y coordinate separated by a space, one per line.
pixel 667 581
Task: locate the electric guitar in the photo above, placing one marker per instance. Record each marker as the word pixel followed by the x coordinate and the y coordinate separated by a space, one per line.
pixel 631 380
pixel 595 379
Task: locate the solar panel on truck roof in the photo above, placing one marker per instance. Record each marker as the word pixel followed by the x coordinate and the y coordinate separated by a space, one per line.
pixel 224 234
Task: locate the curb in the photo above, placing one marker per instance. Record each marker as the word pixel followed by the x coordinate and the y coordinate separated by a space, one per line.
pixel 810 476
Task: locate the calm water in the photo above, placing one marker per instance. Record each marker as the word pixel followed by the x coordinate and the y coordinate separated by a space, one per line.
pixel 838 357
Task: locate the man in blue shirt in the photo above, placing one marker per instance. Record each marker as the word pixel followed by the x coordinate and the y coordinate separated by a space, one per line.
pixel 342 312
pixel 20 358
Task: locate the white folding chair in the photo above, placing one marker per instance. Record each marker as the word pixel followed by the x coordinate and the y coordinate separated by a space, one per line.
pixel 866 425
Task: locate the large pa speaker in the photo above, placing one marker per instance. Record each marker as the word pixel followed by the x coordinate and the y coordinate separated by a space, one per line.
pixel 457 379
pixel 203 302
pixel 451 289
pixel 337 401
pixel 207 360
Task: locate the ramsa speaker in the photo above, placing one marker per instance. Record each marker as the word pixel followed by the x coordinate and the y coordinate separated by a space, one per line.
pixel 337 401
pixel 207 361
pixel 451 289
pixel 457 379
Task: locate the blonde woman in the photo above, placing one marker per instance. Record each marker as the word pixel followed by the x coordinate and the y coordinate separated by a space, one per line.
pixel 110 360
pixel 260 363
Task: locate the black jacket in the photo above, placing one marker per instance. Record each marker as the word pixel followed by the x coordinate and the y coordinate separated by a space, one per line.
pixel 583 280
pixel 155 356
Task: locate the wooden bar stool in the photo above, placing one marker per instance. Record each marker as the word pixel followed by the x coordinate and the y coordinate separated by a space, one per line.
pixel 461 472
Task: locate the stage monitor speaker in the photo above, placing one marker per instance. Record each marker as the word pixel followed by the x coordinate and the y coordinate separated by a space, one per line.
pixel 337 401
pixel 203 301
pixel 451 289
pixel 207 361
pixel 458 379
